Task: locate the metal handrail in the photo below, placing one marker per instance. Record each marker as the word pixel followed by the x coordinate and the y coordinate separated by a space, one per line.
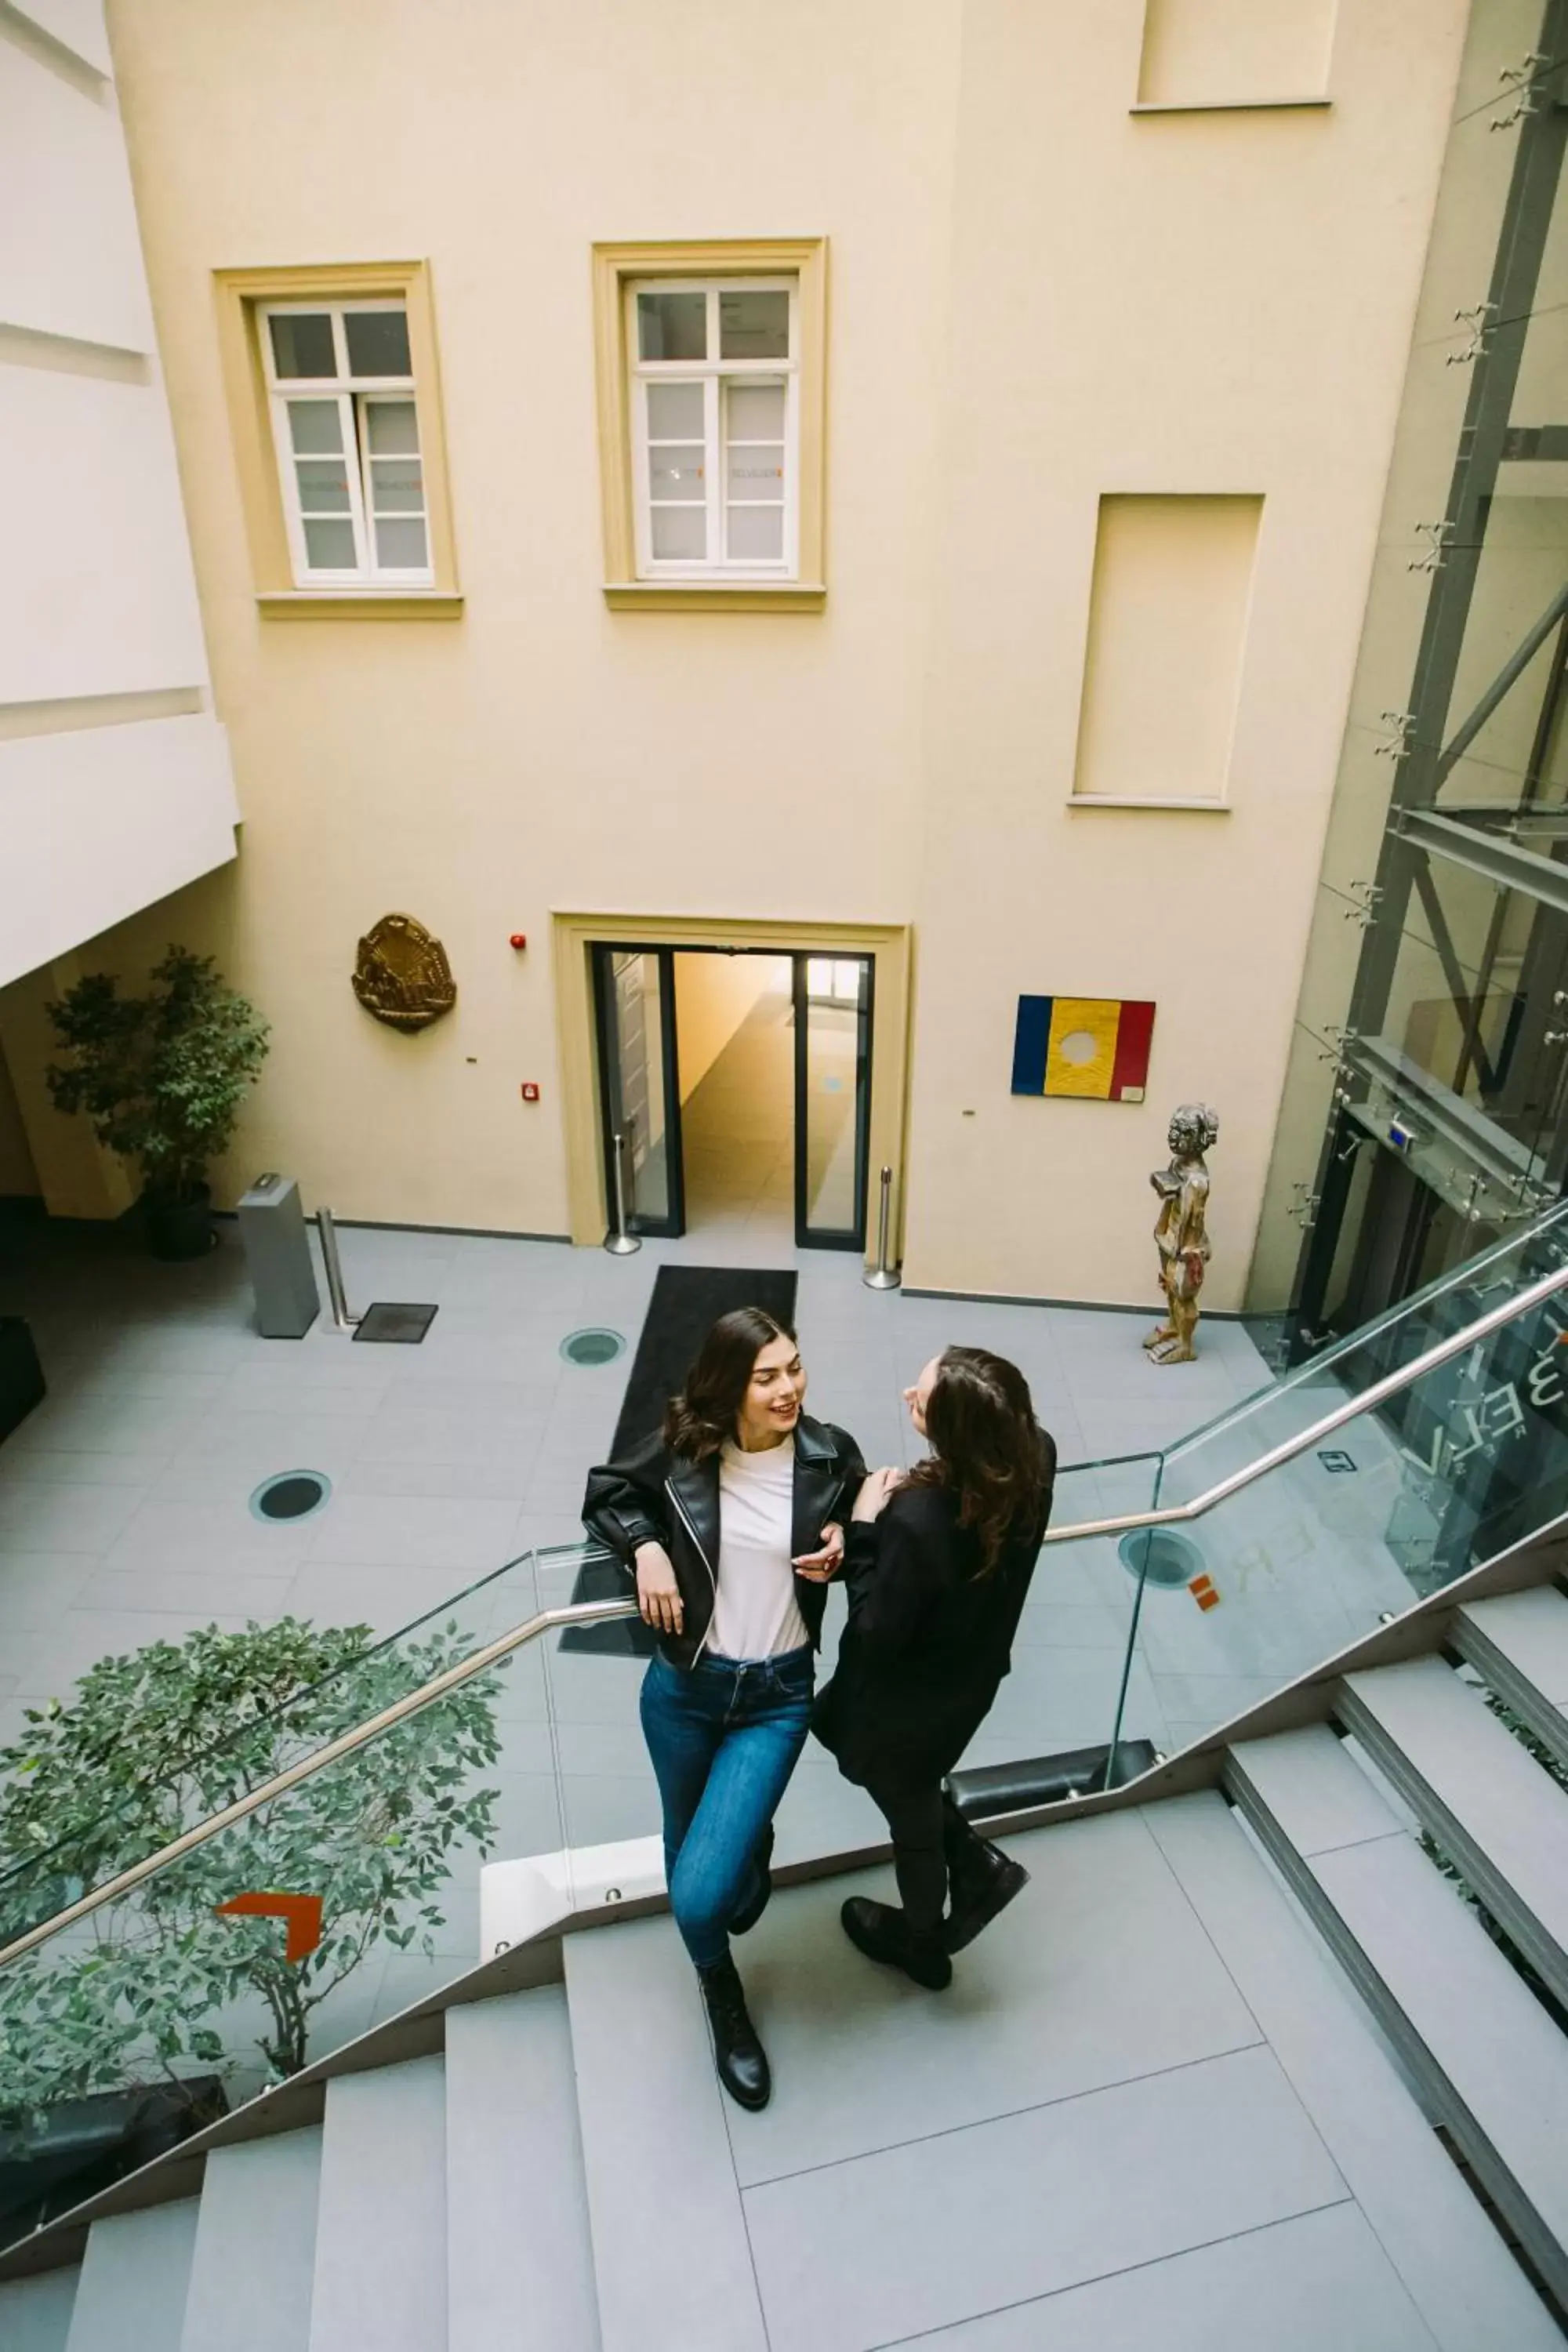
pixel 601 1613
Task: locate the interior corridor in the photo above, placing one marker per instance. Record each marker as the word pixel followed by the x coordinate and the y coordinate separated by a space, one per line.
pixel 735 1025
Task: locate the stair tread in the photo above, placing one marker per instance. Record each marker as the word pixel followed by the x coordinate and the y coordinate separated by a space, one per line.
pixel 131 2296
pixel 652 2116
pixel 381 2233
pixel 253 2264
pixel 520 2261
pixel 1531 1629
pixel 1492 1789
pixel 36 2312
pixel 1468 2290
pixel 1488 2035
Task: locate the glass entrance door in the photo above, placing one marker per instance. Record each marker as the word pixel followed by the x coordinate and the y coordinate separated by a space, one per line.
pixel 832 1099
pixel 634 993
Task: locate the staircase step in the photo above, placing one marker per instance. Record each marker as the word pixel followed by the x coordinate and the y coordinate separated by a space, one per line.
pixel 1490 2062
pixel 380 2230
pixel 255 2257
pixel 131 2296
pixel 1519 1643
pixel 1489 1805
pixel 1470 2293
pixel 656 2147
pixel 36 2312
pixel 519 2259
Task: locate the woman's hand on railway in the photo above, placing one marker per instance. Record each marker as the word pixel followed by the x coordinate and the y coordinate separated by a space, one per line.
pixel 818 1567
pixel 872 1499
pixel 660 1603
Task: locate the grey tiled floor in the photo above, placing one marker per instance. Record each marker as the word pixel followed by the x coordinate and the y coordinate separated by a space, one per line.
pixel 123 1513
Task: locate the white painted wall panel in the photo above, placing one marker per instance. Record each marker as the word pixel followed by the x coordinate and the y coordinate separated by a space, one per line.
pixel 101 821
pixel 97 594
pixel 77 25
pixel 70 262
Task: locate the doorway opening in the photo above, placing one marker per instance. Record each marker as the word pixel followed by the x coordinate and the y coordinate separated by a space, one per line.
pixel 735 1088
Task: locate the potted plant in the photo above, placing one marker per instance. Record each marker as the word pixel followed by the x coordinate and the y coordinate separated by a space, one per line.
pixel 129 2032
pixel 162 1077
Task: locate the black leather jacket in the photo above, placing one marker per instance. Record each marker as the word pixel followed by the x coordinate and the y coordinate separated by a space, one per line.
pixel 653 1496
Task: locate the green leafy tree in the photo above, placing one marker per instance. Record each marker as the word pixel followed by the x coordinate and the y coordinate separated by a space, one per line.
pixel 162 1077
pixel 156 1983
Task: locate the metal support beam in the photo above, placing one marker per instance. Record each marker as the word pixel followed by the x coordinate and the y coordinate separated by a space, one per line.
pixel 1508 677
pixel 1502 861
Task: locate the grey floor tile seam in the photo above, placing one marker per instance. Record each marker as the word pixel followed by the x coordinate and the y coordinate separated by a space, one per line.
pixel 1310 2119
pixel 1153 2262
pixel 1029 2107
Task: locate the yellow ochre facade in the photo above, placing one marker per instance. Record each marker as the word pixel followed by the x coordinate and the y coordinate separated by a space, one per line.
pixel 1102 322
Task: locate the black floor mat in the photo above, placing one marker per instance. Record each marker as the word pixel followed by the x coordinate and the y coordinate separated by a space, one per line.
pixel 686 1300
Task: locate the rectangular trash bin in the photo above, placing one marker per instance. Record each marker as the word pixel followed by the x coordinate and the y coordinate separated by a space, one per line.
pixel 277 1256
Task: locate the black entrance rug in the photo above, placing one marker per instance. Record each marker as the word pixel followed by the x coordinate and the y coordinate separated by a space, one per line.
pixel 686 1300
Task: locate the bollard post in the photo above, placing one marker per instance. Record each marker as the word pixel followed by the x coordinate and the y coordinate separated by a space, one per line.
pixel 333 1264
pixel 617 1241
pixel 882 1276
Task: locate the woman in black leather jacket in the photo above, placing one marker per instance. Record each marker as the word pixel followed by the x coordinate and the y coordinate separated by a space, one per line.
pixel 731 1522
pixel 938 1570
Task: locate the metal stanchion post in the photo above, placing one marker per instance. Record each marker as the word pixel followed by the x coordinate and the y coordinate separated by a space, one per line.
pixel 619 1241
pixel 882 1276
pixel 333 1264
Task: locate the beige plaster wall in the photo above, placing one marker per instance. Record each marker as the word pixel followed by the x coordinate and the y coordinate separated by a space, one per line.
pixel 1036 297
pixel 713 994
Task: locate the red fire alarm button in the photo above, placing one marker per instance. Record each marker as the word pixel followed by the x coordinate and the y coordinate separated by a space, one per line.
pixel 520 938
pixel 530 1090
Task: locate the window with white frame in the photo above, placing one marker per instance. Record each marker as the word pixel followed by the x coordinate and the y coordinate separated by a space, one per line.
pixel 833 980
pixel 341 383
pixel 715 426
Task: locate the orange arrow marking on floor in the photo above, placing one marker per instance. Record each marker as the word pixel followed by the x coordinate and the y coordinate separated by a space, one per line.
pixel 303 1913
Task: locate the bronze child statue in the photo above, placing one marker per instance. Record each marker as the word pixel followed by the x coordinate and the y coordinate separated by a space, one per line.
pixel 1181 1233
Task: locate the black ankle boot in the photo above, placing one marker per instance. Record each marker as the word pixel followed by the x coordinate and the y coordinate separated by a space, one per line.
pixel 741 2060
pixel 749 1913
pixel 886 1934
pixel 982 1879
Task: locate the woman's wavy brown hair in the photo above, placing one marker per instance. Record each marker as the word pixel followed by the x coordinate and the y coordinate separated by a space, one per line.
pixel 987 1449
pixel 703 1416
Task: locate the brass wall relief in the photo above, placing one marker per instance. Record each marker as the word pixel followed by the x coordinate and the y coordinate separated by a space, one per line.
pixel 402 974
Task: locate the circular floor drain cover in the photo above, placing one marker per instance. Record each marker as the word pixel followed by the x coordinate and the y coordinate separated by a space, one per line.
pixel 292 1494
pixel 1160 1557
pixel 592 1347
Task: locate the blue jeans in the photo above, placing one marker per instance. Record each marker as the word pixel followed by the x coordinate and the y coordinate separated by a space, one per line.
pixel 723 1739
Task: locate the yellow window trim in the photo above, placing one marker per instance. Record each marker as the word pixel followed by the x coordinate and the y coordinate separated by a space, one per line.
pixel 278 595
pixel 804 257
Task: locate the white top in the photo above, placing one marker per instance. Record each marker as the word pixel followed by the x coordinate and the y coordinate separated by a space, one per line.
pixel 756 1615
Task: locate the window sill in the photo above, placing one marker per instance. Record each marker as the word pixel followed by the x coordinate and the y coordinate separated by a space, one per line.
pixel 1229 105
pixel 715 596
pixel 359 604
pixel 1151 801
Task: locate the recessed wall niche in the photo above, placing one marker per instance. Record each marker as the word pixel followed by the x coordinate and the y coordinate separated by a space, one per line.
pixel 1199 53
pixel 1167 629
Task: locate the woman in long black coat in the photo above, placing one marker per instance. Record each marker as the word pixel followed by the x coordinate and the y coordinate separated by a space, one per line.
pixel 938 1566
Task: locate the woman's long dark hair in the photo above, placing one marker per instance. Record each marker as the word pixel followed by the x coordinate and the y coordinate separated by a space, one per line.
pixel 987 1449
pixel 703 1416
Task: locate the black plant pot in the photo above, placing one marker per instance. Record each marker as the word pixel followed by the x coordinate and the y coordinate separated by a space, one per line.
pixel 180 1228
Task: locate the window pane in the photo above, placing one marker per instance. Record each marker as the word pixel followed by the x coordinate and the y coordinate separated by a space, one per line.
pixel 330 546
pixel 675 470
pixel 401 546
pixel 315 426
pixel 302 343
pixel 756 534
pixel 672 326
pixel 754 471
pixel 323 484
pixel 378 342
pixel 393 427
pixel 753 326
pixel 674 411
pixel 397 486
pixel 679 534
pixel 754 411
